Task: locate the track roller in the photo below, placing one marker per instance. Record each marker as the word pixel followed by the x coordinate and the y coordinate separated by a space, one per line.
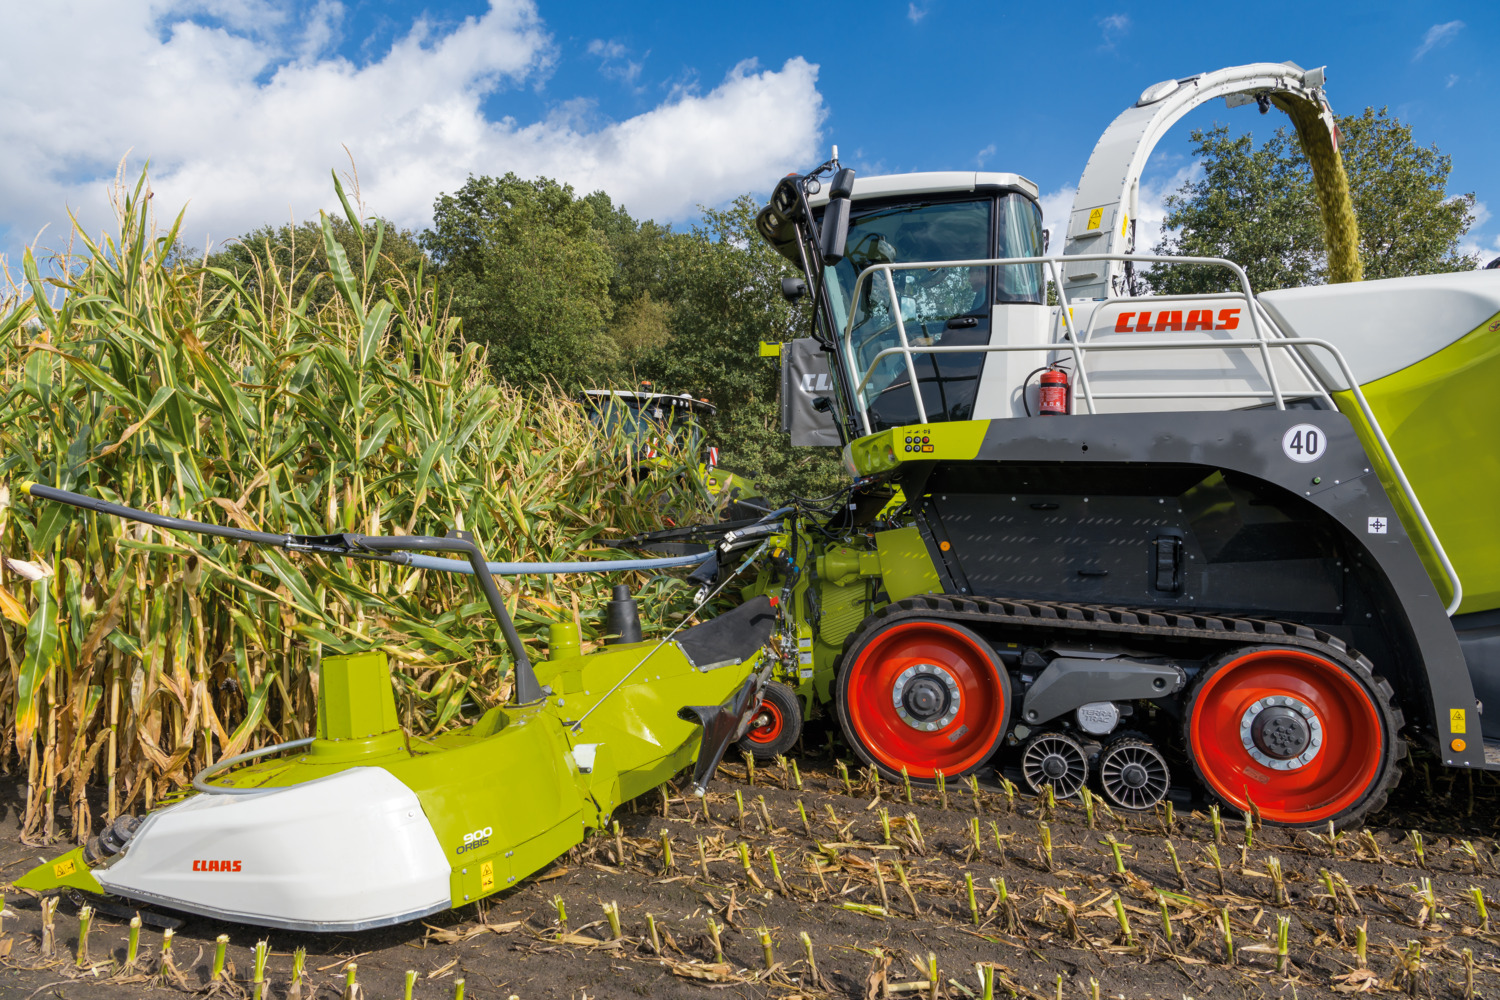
pixel 1133 774
pixel 1057 760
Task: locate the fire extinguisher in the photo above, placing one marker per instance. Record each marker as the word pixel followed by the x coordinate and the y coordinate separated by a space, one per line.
pixel 1053 397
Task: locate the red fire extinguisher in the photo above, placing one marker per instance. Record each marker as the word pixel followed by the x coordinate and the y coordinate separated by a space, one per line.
pixel 1053 398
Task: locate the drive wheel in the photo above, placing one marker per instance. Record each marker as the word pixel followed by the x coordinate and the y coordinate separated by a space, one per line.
pixel 922 695
pixel 1307 739
pixel 776 725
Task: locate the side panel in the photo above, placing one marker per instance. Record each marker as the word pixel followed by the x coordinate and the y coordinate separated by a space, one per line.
pixel 345 852
pixel 490 798
pixel 1340 482
pixel 1441 416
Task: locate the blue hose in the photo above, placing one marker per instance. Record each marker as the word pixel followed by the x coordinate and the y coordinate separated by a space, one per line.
pixel 591 566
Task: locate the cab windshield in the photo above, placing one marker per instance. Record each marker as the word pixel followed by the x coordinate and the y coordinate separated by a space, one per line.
pixel 947 306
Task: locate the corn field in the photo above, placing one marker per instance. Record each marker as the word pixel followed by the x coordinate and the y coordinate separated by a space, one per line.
pixel 131 657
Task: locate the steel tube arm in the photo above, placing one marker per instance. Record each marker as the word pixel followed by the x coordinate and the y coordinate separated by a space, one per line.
pixel 359 546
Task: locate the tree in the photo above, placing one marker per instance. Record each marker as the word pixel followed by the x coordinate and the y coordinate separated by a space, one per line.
pixel 1256 207
pixel 724 283
pixel 295 256
pixel 529 272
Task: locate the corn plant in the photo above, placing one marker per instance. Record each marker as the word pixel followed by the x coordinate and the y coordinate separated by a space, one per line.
pixel 137 656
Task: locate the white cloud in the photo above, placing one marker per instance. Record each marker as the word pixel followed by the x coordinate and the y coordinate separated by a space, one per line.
pixel 1114 27
pixel 1437 35
pixel 242 117
pixel 613 61
pixel 984 154
pixel 1056 206
pixel 916 11
pixel 1452 79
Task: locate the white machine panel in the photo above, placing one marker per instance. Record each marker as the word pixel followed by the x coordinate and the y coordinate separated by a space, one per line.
pixel 1384 326
pixel 347 852
pixel 1004 372
pixel 1196 370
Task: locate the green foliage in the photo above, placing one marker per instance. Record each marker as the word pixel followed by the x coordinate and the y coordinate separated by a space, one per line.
pixel 572 292
pixel 575 291
pixel 1256 207
pixel 295 258
pixel 724 283
pixel 529 273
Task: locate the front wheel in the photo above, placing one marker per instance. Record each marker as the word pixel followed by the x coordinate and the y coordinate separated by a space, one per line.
pixel 776 725
pixel 924 696
pixel 1304 738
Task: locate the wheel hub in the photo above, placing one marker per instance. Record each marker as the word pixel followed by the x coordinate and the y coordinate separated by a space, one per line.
pixel 926 697
pixel 1133 776
pixel 1281 732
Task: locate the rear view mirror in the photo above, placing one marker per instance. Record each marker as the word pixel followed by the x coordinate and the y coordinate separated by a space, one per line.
pixel 835 230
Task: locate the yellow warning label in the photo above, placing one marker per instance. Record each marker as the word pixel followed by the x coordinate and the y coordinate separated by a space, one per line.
pixel 1124 224
pixel 1096 216
pixel 1456 721
pixel 64 868
pixel 487 876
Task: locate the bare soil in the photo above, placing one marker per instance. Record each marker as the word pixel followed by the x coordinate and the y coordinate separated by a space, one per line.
pixel 1061 920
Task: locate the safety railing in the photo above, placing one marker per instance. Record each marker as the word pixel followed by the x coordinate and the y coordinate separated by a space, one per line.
pixel 1079 347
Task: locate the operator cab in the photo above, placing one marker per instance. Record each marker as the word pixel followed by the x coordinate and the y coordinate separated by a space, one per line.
pixel 940 217
pixel 856 241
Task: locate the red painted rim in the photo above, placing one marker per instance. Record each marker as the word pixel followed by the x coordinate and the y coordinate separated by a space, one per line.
pixel 1344 769
pixel 767 724
pixel 966 741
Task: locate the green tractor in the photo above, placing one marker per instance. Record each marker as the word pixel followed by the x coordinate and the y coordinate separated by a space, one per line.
pixel 660 430
pixel 1129 541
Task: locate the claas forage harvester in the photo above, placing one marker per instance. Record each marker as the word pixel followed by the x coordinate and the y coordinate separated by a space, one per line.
pixel 1225 541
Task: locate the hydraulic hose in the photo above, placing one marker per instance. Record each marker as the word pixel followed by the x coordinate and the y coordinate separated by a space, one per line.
pixel 398 549
pixel 543 568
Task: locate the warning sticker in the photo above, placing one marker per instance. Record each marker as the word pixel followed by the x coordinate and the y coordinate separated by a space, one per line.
pixel 1456 720
pixel 1096 216
pixel 487 876
pixel 1378 525
pixel 64 868
pixel 1124 224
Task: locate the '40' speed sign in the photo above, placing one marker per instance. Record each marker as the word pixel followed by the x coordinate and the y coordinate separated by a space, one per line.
pixel 1304 443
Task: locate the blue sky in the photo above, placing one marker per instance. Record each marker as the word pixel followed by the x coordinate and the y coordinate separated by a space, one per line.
pixel 243 106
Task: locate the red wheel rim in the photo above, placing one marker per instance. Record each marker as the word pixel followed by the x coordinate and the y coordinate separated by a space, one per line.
pixel 962 743
pixel 767 724
pixel 1347 762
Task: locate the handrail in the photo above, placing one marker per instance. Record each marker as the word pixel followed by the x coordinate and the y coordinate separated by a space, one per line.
pixel 200 780
pixel 1070 343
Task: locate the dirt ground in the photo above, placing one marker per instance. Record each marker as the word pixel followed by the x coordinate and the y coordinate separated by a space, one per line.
pixel 1058 935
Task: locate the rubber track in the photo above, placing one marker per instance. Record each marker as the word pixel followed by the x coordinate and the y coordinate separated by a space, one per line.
pixel 1145 623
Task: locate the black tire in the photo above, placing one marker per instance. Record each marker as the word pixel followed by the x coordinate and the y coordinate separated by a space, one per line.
pixel 1357 719
pixel 777 725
